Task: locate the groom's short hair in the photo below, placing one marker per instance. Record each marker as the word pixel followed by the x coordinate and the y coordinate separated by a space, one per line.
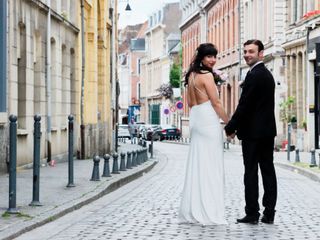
pixel 255 42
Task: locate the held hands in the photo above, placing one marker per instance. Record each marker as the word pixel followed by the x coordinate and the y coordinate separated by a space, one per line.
pixel 230 137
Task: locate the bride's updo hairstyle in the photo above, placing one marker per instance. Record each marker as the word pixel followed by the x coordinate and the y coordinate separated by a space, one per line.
pixel 204 49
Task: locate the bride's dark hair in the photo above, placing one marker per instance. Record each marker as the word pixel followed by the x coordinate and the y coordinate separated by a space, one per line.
pixel 204 49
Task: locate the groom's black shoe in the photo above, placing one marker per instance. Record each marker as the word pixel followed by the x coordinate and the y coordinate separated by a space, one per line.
pixel 249 219
pixel 266 219
pixel 268 216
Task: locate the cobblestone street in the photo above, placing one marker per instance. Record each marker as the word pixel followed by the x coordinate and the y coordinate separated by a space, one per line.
pixel 147 208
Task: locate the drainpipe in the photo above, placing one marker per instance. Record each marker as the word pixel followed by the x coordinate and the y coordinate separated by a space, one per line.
pixel 239 33
pixel 3 56
pixel 82 127
pixel 113 76
pixel 48 89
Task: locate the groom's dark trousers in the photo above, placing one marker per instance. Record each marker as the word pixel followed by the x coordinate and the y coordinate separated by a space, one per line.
pixel 259 152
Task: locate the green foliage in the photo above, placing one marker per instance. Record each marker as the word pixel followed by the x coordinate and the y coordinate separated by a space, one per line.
pixel 286 112
pixel 175 75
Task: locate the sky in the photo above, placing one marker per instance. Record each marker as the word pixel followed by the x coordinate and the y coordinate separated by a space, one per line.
pixel 141 9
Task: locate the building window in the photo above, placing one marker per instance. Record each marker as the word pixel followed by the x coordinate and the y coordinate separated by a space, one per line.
pixel 22 79
pixel 138 66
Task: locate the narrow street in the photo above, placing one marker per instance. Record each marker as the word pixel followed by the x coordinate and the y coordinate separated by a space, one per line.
pixel 147 208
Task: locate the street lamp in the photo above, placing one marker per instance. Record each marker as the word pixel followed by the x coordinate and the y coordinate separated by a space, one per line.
pixel 115 81
pixel 128 7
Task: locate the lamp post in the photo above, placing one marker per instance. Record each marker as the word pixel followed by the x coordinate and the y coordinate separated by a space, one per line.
pixel 114 75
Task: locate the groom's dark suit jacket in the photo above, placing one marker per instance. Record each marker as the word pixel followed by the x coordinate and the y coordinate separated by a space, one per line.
pixel 254 117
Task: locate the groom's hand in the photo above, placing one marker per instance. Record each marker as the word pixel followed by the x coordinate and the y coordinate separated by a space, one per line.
pixel 230 137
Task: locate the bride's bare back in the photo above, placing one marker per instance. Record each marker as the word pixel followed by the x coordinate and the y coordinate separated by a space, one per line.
pixel 202 88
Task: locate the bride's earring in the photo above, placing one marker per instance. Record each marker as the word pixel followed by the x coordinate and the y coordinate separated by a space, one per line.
pixel 201 64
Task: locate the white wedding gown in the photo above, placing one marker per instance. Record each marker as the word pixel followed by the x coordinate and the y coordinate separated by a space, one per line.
pixel 203 193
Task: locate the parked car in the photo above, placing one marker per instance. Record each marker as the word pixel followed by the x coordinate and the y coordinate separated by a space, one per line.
pixel 123 131
pixel 148 130
pixel 169 132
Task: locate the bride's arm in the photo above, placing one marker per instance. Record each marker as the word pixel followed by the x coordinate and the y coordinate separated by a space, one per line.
pixel 212 91
pixel 188 97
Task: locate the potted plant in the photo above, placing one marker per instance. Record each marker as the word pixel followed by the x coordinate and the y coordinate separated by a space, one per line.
pixel 293 121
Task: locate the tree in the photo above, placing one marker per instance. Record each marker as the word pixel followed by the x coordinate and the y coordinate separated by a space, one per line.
pixel 175 75
pixel 286 111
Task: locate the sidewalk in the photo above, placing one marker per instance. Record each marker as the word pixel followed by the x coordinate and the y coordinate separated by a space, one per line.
pixel 56 198
pixel 280 159
pixel 302 167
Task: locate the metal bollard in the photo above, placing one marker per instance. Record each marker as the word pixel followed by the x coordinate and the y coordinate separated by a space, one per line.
pixel 145 151
pixel 297 156
pixel 106 168
pixel 143 159
pixel 13 166
pixel 70 152
pixel 139 156
pixel 134 158
pixel 151 150
pixel 289 142
pixel 313 158
pixel 122 161
pixel 95 172
pixel 115 168
pixel 129 160
pixel 36 162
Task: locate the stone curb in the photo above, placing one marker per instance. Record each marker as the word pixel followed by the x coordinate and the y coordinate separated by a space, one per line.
pixel 305 172
pixel 110 188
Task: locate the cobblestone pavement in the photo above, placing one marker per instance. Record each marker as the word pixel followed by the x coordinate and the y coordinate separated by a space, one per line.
pixel 147 208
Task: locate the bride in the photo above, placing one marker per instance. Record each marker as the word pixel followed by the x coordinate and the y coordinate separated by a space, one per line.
pixel 203 193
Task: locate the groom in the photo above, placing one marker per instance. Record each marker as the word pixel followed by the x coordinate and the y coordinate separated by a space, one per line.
pixel 254 123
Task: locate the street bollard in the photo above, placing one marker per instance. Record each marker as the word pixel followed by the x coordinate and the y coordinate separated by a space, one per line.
pixel 297 156
pixel 95 172
pixel 147 157
pixel 134 158
pixel 115 168
pixel 106 168
pixel 289 142
pixel 129 160
pixel 139 157
pixel 36 161
pixel 313 162
pixel 145 153
pixel 13 166
pixel 70 153
pixel 122 161
pixel 151 150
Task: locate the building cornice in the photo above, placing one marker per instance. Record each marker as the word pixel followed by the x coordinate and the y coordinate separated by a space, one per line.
pixel 188 21
pixel 152 29
pixel 294 43
pixel 55 15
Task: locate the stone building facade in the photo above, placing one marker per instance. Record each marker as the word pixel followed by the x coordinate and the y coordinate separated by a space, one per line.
pixel 27 83
pixel 301 36
pixel 215 22
pixel 44 77
pixel 162 30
